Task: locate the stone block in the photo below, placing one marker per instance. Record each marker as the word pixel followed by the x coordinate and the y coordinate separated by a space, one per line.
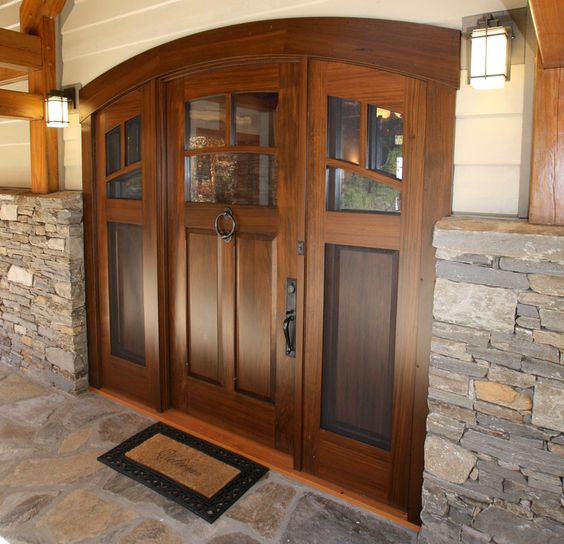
pixel 555 339
pixel 447 461
pixel 476 369
pixel 450 348
pixel 547 285
pixel 481 275
pixel 502 394
pixel 511 377
pixel 513 429
pixel 542 368
pixel 61 359
pixel 552 319
pixel 20 275
pixel 450 398
pixel 8 212
pixel 459 333
pixel 507 528
pixel 469 258
pixel 542 301
pixel 471 536
pixel 548 407
pixel 517 344
pixel 532 267
pixel 525 310
pixel 525 457
pixel 496 356
pixel 447 381
pixel 444 426
pixel 56 244
pixel 529 322
pixel 479 306
pixel 451 411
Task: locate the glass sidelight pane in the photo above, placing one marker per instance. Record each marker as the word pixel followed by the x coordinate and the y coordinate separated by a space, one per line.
pixel 343 129
pixel 205 122
pixel 254 118
pixel 113 150
pixel 358 343
pixel 127 186
pixel 133 140
pixel 385 141
pixel 231 178
pixel 349 191
pixel 125 262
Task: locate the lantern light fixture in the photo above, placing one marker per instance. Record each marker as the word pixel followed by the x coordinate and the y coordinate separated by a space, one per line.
pixel 57 106
pixel 490 54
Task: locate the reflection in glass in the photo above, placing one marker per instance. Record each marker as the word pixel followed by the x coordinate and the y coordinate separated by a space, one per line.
pixel 254 118
pixel 231 178
pixel 205 122
pixel 126 186
pixel 133 140
pixel 385 141
pixel 343 129
pixel 113 150
pixel 125 262
pixel 349 191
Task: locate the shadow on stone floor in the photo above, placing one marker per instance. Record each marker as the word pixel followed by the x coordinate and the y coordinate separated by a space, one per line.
pixel 53 490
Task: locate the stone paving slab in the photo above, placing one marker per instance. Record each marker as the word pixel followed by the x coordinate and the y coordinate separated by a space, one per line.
pixel 53 491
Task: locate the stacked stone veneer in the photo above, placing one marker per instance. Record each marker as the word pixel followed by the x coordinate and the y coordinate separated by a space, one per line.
pixel 42 308
pixel 494 453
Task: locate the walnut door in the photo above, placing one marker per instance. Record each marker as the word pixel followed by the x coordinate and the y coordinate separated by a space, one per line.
pixel 364 174
pixel 236 181
pixel 126 218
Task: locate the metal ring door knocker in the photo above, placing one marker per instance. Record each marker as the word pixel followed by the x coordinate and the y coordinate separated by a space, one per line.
pixel 225 235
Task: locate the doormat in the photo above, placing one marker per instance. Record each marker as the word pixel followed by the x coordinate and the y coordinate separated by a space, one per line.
pixel 198 475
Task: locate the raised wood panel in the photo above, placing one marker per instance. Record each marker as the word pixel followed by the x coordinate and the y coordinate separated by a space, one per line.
pixel 256 317
pixel 365 41
pixel 19 51
pixel 21 105
pixel 548 18
pixel 203 305
pixel 547 173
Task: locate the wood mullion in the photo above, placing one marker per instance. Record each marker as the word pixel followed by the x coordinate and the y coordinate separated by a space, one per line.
pixel 228 120
pixel 124 170
pixel 376 176
pixel 231 149
pixel 363 140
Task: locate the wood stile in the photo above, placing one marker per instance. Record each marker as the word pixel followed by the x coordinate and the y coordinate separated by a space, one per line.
pixel 238 388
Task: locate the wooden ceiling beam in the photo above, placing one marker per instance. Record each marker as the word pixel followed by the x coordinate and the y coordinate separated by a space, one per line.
pixel 548 18
pixel 32 11
pixel 11 76
pixel 21 105
pixel 20 51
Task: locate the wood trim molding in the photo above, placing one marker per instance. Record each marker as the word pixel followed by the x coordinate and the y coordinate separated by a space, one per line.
pixel 548 18
pixel 19 51
pixel 32 11
pixel 8 75
pixel 428 52
pixel 546 205
pixel 21 105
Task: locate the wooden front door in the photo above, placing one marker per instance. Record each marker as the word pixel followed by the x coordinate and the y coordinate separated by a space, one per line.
pixel 236 175
pixel 360 333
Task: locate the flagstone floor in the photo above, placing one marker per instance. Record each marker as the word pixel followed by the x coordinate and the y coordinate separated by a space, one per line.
pixel 52 489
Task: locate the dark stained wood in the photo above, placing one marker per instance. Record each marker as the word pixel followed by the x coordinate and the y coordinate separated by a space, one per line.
pixel 21 105
pixel 32 11
pixel 119 373
pixel 19 51
pixel 546 205
pixel 428 52
pixel 437 203
pixel 44 142
pixel 548 18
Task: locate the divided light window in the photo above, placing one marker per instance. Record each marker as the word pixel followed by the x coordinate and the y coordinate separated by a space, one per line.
pixel 230 149
pixel 364 157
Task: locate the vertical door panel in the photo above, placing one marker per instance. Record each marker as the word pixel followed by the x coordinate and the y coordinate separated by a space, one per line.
pixel 202 288
pixel 256 314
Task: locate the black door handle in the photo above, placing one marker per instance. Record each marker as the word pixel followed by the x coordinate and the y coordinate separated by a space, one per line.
pixel 289 335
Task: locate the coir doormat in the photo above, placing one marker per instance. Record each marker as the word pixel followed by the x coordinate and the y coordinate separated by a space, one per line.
pixel 198 475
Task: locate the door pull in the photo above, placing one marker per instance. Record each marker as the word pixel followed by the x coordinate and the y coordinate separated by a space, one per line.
pixel 289 324
pixel 225 235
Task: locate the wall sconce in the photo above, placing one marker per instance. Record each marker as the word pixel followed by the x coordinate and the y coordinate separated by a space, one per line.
pixel 490 54
pixel 57 106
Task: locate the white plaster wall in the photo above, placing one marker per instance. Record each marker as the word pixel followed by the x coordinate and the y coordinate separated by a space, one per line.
pixel 99 34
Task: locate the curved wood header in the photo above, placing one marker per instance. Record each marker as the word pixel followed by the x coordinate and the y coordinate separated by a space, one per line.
pixel 415 50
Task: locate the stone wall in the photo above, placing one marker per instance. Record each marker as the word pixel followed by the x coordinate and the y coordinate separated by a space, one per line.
pixel 42 306
pixel 494 453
